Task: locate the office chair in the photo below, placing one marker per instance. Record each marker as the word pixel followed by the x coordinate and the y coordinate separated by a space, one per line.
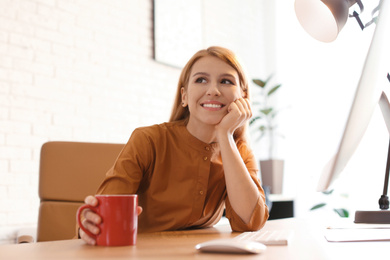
pixel 69 171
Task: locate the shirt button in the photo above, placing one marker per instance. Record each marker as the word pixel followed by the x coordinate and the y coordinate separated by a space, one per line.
pixel 201 192
pixel 207 148
pixel 205 158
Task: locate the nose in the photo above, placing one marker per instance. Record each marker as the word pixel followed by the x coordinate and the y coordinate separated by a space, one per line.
pixel 213 89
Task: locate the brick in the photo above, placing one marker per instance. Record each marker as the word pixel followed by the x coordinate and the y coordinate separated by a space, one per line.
pixel 29 115
pixel 34 67
pixel 4 49
pixel 29 6
pixel 20 52
pixel 55 13
pixel 6 62
pixel 22 140
pixel 19 99
pixel 25 167
pixel 41 21
pixel 20 77
pixel 5 178
pixel 55 60
pixel 8 127
pixel 26 41
pixel 10 11
pixel 53 36
pixel 3 168
pixel 8 152
pixel 71 7
pixel 47 2
pixel 4 36
pixel 70 28
pixel 4 74
pixel 70 119
pixel 53 132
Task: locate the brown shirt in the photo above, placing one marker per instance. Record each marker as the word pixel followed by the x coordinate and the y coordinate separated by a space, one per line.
pixel 179 180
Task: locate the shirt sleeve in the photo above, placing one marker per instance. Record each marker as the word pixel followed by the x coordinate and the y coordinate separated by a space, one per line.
pixel 133 161
pixel 260 213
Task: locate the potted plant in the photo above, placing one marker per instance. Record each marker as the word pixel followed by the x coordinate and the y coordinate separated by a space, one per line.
pixel 265 125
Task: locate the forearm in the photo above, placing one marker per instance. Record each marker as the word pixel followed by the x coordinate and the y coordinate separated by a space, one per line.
pixel 242 191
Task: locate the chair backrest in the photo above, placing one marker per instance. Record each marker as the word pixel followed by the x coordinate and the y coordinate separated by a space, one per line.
pixel 69 171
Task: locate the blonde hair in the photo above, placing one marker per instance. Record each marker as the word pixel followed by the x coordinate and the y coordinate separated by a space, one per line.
pixel 180 113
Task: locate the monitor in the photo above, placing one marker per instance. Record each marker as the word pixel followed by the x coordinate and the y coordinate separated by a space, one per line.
pixel 372 83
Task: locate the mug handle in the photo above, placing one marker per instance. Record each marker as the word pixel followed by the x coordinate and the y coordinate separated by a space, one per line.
pixel 85 206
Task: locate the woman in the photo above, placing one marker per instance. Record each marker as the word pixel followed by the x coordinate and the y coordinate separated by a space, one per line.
pixel 188 170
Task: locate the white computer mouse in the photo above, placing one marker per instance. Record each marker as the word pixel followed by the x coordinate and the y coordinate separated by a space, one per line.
pixel 231 246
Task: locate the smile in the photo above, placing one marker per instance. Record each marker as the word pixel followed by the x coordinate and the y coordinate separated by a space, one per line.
pixel 212 105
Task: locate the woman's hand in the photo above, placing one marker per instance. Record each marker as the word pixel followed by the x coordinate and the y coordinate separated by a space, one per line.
pixel 241 189
pixel 92 220
pixel 239 111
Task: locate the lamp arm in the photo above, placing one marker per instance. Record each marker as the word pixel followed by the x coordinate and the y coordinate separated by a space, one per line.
pixel 356 14
pixel 385 108
pixel 384 199
pixel 358 2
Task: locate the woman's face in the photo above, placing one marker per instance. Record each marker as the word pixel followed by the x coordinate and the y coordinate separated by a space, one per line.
pixel 212 86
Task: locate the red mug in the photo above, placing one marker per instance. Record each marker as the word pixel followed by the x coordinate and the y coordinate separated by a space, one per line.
pixel 119 219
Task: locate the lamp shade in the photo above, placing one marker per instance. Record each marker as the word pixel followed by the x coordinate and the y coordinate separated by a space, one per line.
pixel 323 19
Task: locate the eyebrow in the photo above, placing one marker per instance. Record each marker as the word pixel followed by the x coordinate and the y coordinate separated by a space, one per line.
pixel 207 74
pixel 200 73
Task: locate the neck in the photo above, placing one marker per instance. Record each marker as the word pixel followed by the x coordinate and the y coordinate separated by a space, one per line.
pixel 206 133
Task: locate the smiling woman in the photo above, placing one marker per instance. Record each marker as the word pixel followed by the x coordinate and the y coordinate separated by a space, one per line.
pixel 188 170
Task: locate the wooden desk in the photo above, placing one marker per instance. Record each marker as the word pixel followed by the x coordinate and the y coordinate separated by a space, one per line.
pixel 308 243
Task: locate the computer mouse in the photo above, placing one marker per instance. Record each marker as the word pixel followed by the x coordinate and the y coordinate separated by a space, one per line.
pixel 231 246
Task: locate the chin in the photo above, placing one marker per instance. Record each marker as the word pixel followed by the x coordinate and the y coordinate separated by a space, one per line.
pixel 212 121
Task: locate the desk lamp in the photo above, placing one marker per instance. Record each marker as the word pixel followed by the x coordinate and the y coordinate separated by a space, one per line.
pixel 323 19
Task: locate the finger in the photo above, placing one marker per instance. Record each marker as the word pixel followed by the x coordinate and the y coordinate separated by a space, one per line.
pixel 92 217
pixel 89 240
pixel 91 200
pixel 139 210
pixel 248 106
pixel 243 108
pixel 243 103
pixel 91 227
pixel 232 106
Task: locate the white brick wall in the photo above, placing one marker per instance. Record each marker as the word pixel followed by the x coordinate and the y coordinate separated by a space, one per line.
pixel 83 70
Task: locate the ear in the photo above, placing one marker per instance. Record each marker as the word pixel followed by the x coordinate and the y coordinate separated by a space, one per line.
pixel 244 94
pixel 184 100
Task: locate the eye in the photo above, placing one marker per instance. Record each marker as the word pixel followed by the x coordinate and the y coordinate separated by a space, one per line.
pixel 200 80
pixel 227 81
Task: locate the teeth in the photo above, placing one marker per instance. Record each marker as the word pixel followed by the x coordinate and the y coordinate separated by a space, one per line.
pixel 211 105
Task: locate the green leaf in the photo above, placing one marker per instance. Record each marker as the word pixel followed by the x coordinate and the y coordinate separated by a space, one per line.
pixel 254 119
pixel 266 111
pixel 342 212
pixel 259 82
pixel 274 89
pixel 318 206
pixel 274 114
pixel 328 192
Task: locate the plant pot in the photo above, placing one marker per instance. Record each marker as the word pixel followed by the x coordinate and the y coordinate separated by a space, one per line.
pixel 272 175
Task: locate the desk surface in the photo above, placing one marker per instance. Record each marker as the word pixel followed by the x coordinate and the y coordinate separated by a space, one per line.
pixel 308 242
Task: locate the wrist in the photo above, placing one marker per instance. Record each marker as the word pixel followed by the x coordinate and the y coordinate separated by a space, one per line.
pixel 224 137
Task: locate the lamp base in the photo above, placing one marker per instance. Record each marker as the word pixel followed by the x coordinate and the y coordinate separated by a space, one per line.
pixel 373 217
